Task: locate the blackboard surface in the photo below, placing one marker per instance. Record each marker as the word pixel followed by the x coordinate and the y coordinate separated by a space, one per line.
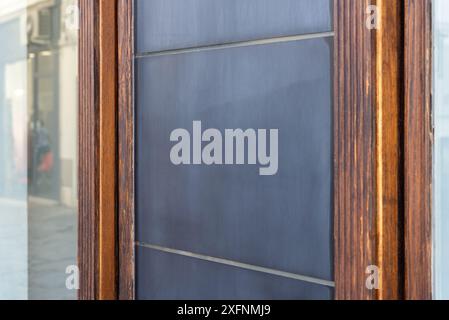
pixel 168 276
pixel 281 222
pixel 174 24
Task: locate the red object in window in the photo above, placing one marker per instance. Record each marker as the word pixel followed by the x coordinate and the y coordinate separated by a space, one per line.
pixel 47 162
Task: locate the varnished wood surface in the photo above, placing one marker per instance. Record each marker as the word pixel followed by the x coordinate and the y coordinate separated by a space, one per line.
pixel 418 149
pixel 355 150
pixel 89 149
pixel 368 227
pixel 126 150
pixel 108 150
pixel 97 150
pixel 389 150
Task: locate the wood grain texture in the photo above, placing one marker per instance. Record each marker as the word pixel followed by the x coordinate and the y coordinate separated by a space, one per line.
pixel 126 149
pixel 354 148
pixel 108 122
pixel 89 148
pixel 389 160
pixel 97 150
pixel 418 149
pixel 367 123
pixel 368 226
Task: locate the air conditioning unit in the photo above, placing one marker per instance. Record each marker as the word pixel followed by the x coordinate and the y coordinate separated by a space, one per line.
pixel 39 25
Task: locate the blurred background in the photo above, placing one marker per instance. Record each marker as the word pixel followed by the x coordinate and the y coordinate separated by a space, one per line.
pixel 441 155
pixel 38 147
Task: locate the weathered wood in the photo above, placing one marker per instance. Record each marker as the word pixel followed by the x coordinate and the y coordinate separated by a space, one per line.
pixel 389 150
pixel 97 150
pixel 126 149
pixel 89 145
pixel 368 226
pixel 108 150
pixel 355 150
pixel 418 149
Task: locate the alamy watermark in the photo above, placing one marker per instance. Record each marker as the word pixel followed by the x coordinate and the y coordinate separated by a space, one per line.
pixel 372 20
pixel 262 147
pixel 72 17
pixel 372 281
pixel 72 281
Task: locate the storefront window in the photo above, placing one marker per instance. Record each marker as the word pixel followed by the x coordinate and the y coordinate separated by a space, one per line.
pixel 441 155
pixel 38 149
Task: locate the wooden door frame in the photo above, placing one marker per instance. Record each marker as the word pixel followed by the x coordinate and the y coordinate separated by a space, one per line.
pixel 97 182
pixel 367 189
pixel 418 150
pixel 377 115
pixel 126 248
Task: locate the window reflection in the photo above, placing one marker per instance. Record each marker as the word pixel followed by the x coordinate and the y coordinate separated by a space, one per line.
pixel 38 149
pixel 441 156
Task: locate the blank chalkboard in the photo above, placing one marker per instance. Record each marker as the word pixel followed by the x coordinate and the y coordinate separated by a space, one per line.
pixel 227 230
pixel 174 24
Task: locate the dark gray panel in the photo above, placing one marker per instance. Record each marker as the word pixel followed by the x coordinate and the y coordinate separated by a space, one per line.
pixel 173 24
pixel 282 222
pixel 167 276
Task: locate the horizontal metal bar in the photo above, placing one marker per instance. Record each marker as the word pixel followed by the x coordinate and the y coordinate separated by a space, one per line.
pixel 237 44
pixel 240 265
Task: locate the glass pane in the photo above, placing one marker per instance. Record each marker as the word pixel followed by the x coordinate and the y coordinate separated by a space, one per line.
pixel 441 156
pixel 173 24
pixel 38 148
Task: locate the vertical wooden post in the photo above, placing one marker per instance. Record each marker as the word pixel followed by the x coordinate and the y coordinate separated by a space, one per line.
pixel 88 191
pixel 368 108
pixel 355 150
pixel 97 149
pixel 389 142
pixel 126 149
pixel 108 149
pixel 418 149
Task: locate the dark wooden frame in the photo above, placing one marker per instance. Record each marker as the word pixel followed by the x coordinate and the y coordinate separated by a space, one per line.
pixel 368 220
pixel 354 150
pixel 97 149
pixel 418 149
pixel 88 150
pixel 126 149
pixel 368 223
pixel 382 151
